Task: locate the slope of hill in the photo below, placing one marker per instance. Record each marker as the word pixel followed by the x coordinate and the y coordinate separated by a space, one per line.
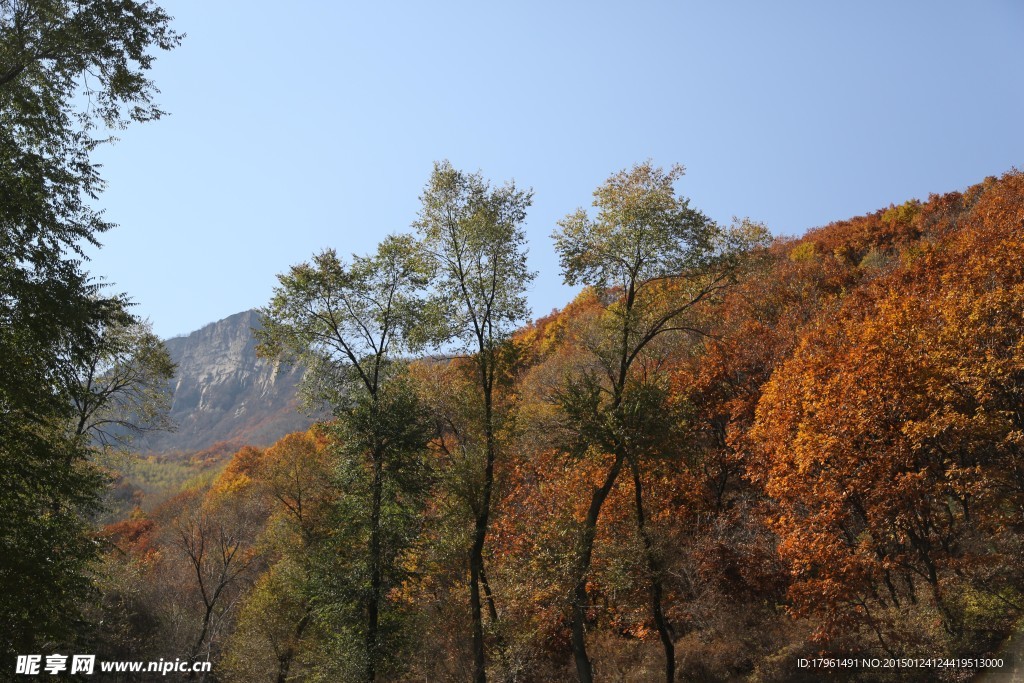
pixel 829 470
pixel 223 392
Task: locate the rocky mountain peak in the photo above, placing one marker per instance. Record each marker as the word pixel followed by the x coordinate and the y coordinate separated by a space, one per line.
pixel 223 392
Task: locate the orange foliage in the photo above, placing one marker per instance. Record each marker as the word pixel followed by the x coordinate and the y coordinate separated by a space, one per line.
pixel 848 447
pixel 890 439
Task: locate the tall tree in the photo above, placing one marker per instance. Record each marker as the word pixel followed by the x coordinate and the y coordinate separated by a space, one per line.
pixel 653 259
pixel 348 323
pixel 473 236
pixel 66 69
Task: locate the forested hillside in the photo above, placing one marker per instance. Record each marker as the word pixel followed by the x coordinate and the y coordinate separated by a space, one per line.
pixel 730 457
pixel 723 456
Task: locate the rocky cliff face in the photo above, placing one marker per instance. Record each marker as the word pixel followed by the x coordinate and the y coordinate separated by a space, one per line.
pixel 223 392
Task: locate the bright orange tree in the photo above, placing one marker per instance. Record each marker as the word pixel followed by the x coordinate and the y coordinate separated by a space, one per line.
pixel 890 440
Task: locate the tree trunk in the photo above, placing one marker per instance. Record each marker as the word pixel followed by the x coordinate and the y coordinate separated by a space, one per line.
pixel 654 570
pixel 492 610
pixel 476 555
pixel 584 670
pixel 194 654
pixel 284 662
pixel 475 566
pixel 373 603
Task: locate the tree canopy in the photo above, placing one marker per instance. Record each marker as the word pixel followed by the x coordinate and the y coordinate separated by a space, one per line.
pixel 69 71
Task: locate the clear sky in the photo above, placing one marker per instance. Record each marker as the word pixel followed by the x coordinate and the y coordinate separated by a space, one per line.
pixel 298 126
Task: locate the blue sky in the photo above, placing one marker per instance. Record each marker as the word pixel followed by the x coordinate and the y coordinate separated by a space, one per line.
pixel 299 126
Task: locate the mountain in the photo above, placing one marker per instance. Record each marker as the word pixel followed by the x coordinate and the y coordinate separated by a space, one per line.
pixel 223 393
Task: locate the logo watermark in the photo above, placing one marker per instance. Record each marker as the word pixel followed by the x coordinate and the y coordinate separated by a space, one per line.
pixel 34 665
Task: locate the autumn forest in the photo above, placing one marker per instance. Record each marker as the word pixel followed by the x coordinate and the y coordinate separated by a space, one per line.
pixel 730 453
pixel 724 455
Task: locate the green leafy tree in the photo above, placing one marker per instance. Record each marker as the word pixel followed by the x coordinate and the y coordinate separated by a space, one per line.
pixel 66 69
pixel 349 324
pixel 653 260
pixel 118 383
pixel 473 238
pixel 47 494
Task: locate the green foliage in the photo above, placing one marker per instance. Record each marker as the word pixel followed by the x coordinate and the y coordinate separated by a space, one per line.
pixel 118 383
pixel 803 252
pixel 725 529
pixel 396 424
pixel 648 419
pixel 66 68
pixel 268 638
pixel 873 260
pixel 642 231
pixel 346 322
pixel 47 494
pixel 159 476
pixel 651 260
pixel 903 214
pixel 474 241
pixel 475 244
pixel 346 577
